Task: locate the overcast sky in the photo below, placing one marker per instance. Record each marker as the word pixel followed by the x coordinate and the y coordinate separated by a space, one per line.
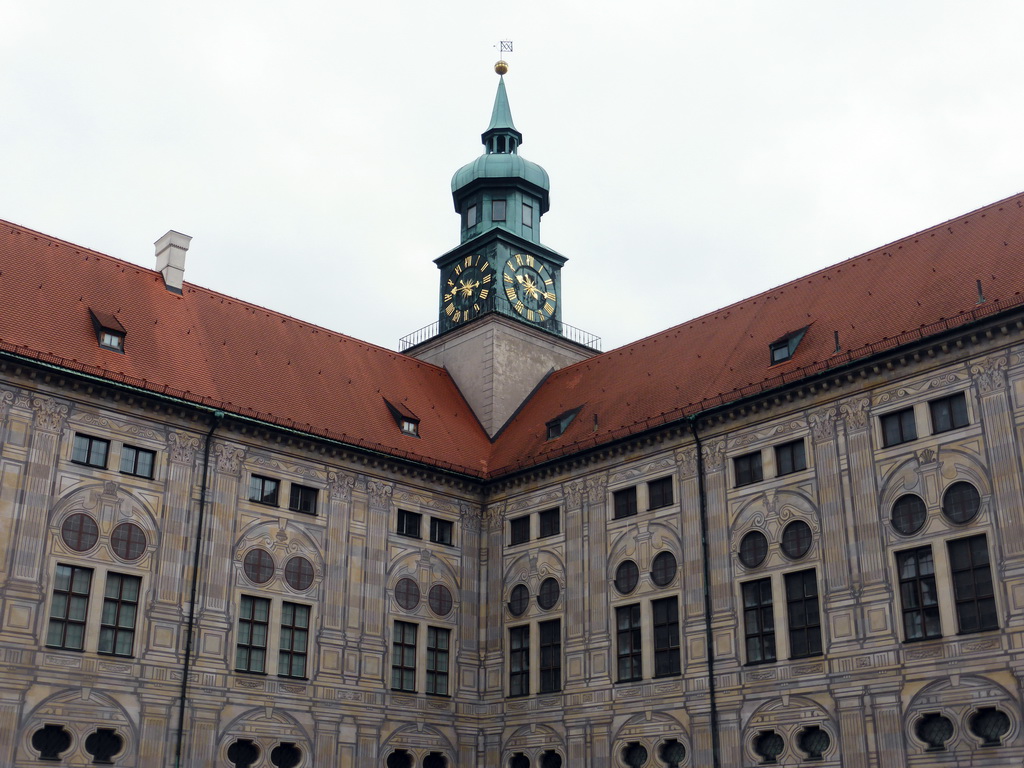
pixel 698 152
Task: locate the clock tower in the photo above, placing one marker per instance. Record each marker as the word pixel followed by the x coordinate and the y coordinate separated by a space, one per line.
pixel 500 329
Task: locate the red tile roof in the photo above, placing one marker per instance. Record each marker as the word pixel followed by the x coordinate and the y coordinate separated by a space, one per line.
pixel 212 349
pixel 209 348
pixel 923 284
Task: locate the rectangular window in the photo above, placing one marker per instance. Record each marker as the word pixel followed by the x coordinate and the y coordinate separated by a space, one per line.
pixel 898 427
pixel 71 585
pixel 519 529
pixel 666 636
pixel 519 661
pixel 91 451
pixel 748 469
pixel 403 657
pixel 120 606
pixel 790 458
pixel 497 210
pixel 111 340
pixel 759 621
pixel 471 216
pixel 948 413
pixel 804 615
pixel 550 656
pixel 972 584
pixel 253 629
pixel 627 623
pixel 263 489
pixel 137 461
pixel 441 531
pixel 918 598
pixel 625 502
pixel 302 499
pixel 659 493
pixel 437 660
pixel 409 524
pixel 527 215
pixel 291 658
pixel 550 522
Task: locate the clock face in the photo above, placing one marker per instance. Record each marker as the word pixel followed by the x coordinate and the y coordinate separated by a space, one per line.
pixel 530 287
pixel 467 287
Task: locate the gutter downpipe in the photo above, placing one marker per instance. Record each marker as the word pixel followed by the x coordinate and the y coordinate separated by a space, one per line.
pixel 709 638
pixel 218 417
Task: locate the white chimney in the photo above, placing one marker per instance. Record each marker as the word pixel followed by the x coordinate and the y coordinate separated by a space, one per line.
pixel 170 259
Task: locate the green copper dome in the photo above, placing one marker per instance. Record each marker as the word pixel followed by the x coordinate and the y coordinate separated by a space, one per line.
pixel 501 164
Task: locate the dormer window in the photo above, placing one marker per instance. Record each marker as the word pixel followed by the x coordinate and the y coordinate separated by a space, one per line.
pixel 782 349
pixel 559 424
pixel 109 331
pixel 406 420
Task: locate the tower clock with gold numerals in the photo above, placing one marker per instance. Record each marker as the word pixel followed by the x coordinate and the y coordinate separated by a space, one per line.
pixel 467 289
pixel 529 286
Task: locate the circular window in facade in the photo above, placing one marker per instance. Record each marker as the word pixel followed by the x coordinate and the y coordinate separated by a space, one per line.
pixel 663 569
pixel 518 600
pixel 908 514
pixel 934 730
pixel 814 741
pixel 769 745
pixel 626 577
pixel 407 593
pixel 550 759
pixel 440 600
pixel 960 503
pixel 796 539
pixel 298 572
pixel 258 565
pixel 990 725
pixel 79 532
pixel 753 549
pixel 634 754
pixel 128 541
pixel 549 592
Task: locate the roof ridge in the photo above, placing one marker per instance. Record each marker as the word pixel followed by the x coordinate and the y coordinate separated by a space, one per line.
pixel 810 275
pixel 203 289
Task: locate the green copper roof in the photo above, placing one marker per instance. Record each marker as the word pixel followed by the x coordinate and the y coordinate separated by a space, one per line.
pixel 501 115
pixel 501 160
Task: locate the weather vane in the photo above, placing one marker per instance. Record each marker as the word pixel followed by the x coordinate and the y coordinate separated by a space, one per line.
pixel 501 67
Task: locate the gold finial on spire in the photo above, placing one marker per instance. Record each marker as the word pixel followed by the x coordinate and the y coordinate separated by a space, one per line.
pixel 501 66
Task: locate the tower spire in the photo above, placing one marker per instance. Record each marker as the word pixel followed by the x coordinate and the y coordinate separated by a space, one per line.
pixel 501 136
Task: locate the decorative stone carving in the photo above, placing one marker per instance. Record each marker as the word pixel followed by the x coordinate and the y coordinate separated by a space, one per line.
pixel 823 423
pixel 597 487
pixel 495 515
pixel 574 493
pixel 686 458
pixel 990 374
pixel 714 456
pixel 470 518
pixel 340 485
pixel 50 414
pixel 855 413
pixel 183 447
pixel 380 493
pixel 228 458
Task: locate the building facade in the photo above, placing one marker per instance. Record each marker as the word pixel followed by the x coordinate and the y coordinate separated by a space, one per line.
pixel 786 533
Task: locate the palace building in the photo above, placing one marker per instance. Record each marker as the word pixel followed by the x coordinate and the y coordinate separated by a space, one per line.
pixel 788 532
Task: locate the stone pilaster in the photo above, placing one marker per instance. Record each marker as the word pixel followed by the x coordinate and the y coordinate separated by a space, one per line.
pixel 467 654
pixel 853 732
pixel 574 625
pixel 888 720
pixel 493 612
pixel 374 639
pixel 596 620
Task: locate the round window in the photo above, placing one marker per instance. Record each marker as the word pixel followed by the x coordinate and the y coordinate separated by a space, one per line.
pixel 258 565
pixel 796 539
pixel 79 532
pixel 753 549
pixel 961 502
pixel 128 541
pixel 626 577
pixel 440 600
pixel 549 592
pixel 518 600
pixel 407 593
pixel 663 569
pixel 908 514
pixel 298 572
